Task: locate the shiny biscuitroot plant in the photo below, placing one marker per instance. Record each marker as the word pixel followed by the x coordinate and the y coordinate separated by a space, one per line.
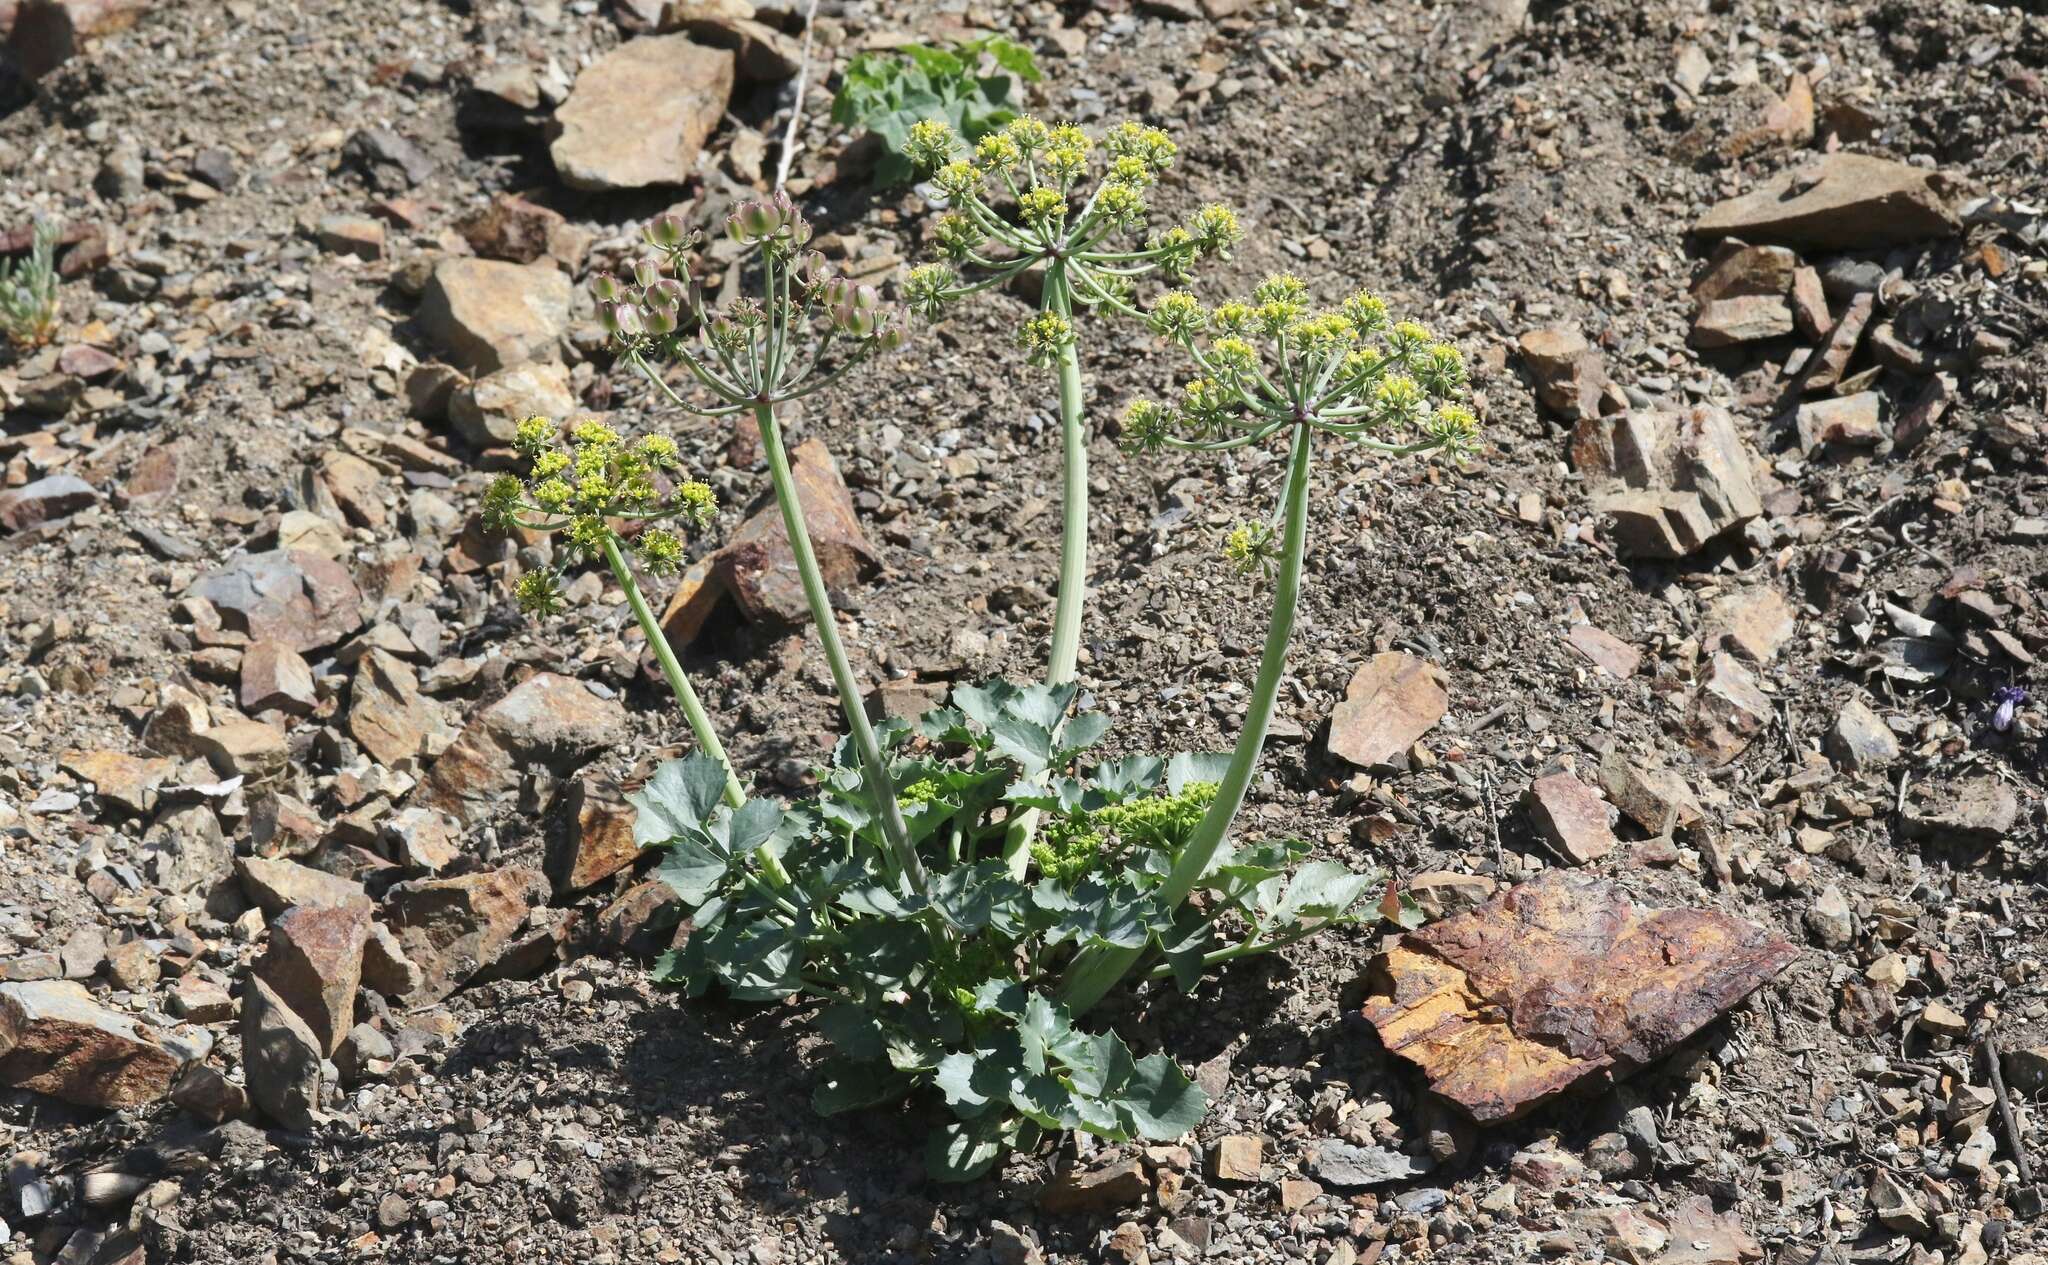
pixel 948 999
pixel 799 331
pixel 1054 199
pixel 1272 369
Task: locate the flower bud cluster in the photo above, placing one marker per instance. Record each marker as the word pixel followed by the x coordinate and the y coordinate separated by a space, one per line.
pixel 754 349
pixel 583 481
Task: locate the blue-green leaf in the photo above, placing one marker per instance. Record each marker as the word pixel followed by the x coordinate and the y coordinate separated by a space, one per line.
pixel 1164 1104
pixel 680 796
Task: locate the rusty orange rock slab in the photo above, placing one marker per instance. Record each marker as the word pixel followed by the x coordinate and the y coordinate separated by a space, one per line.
pixel 756 570
pixel 1558 982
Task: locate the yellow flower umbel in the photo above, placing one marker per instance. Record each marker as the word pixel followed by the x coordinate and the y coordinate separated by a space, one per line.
pixel 1270 363
pixel 586 487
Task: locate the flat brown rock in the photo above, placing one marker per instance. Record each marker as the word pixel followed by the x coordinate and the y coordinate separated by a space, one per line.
pixel 639 115
pixel 1390 703
pixel 490 315
pixel 550 719
pixel 453 928
pixel 1557 983
pixel 1842 202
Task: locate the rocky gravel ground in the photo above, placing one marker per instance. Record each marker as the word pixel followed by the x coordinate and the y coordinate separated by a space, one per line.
pixel 1709 685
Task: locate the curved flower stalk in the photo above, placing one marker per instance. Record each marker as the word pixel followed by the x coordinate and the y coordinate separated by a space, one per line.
pixel 804 331
pixel 1078 234
pixel 1271 367
pixel 582 486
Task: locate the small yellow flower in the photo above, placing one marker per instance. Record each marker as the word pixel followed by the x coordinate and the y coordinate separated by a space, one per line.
pixel 1044 336
pixel 931 143
pixel 533 434
pixel 1178 314
pixel 997 152
pixel 958 181
pixel 1041 206
pixel 538 593
pixel 660 551
pixel 697 501
pixel 1028 134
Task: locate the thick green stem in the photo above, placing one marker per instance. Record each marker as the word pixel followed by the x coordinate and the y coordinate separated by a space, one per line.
pixel 874 769
pixel 1073 596
pixel 1097 970
pixel 1065 659
pixel 679 685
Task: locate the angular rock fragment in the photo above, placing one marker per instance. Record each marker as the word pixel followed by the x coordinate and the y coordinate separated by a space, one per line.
pixel 1850 421
pixel 1555 983
pixel 244 748
pixel 639 115
pixel 591 835
pixel 1572 817
pixel 1859 739
pixel 1570 373
pixel 281 1059
pixel 1391 701
pixel 54 497
pixel 1349 1167
pixel 276 885
pixel 1754 623
pixel 761 53
pixel 1656 799
pixel 1831 359
pixel 490 315
pixel 127 781
pixel 1673 482
pixel 55 1040
pixel 314 962
pixel 452 928
pixel 275 677
pixel 522 232
pixel 1078 1189
pixel 1972 813
pixel 1727 711
pixel 1840 202
pixel 1608 652
pixel 488 411
pixel 756 573
pixel 300 600
pixel 387 714
pixel 550 719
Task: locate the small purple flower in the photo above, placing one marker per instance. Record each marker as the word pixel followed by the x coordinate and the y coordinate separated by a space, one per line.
pixel 2008 698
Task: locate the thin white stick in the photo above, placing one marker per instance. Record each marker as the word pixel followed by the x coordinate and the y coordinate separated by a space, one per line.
pixel 796 109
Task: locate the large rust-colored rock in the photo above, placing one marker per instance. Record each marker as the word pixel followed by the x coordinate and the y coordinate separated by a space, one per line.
pixel 639 115
pixel 56 1040
pixel 756 571
pixel 452 928
pixel 314 963
pixel 1557 983
pixel 550 720
pixel 1391 702
pixel 1842 202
